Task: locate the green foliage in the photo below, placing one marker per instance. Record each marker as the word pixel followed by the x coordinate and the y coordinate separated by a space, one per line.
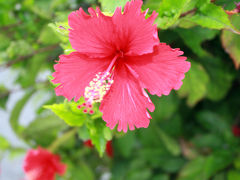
pixel 194 37
pixel 125 144
pixel 167 106
pixel 232 175
pixel 99 134
pixel 15 114
pixel 33 68
pixel 4 144
pixel 169 12
pixel 4 93
pixel 44 130
pixel 195 84
pixel 211 16
pixel 110 6
pixel 205 167
pixel 69 112
pixel 231 42
pixel 220 78
pixel 171 145
pixel 47 36
pixel 19 48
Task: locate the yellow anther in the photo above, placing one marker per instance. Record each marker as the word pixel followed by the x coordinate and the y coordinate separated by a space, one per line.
pixel 98 87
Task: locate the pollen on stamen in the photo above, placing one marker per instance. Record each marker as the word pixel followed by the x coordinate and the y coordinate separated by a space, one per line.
pixel 98 87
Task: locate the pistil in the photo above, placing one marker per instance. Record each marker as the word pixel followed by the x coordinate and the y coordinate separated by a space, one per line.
pixel 98 87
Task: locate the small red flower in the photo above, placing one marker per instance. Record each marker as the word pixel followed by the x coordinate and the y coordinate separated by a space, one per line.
pixel 88 143
pixel 236 130
pixel 116 59
pixel 109 149
pixel 40 164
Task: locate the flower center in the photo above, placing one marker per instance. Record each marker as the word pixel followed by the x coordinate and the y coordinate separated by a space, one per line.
pixel 100 84
pixel 98 87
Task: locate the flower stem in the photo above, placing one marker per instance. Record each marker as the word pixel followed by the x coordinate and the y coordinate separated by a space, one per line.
pixel 59 141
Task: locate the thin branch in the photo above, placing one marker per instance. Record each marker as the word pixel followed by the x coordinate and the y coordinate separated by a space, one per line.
pixel 188 12
pixel 62 139
pixel 22 58
pixel 5 28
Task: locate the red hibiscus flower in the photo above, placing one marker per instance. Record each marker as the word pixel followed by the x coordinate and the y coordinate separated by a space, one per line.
pixel 88 143
pixel 39 164
pixel 116 59
pixel 109 149
pixel 236 130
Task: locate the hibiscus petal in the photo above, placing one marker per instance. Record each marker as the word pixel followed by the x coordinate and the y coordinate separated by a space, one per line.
pixel 125 104
pixel 136 34
pixel 74 72
pixel 91 34
pixel 161 71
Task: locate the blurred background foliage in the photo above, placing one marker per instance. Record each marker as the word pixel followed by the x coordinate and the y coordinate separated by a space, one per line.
pixel 190 136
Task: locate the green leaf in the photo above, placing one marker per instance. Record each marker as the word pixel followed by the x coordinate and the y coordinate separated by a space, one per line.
pixel 97 137
pixel 237 163
pixel 40 8
pixel 233 175
pixel 125 144
pixel 14 117
pixel 152 4
pixel 219 176
pixel 194 37
pixel 226 4
pixel 97 130
pixel 61 30
pixel 69 112
pixel 15 152
pixel 192 170
pixel 231 42
pixel 4 144
pixel 48 36
pixel 83 133
pixel 4 94
pixel 216 124
pixel 216 162
pixel 3 57
pixel 169 12
pixel 110 6
pixel 205 167
pixel 212 140
pixel 171 144
pixel 174 125
pixel 221 77
pixel 5 41
pixel 47 126
pixel 28 76
pixel 211 16
pixel 76 173
pixel 213 122
pixel 166 106
pixel 195 84
pixel 172 165
pixel 161 177
pixel 138 170
pixel 19 48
